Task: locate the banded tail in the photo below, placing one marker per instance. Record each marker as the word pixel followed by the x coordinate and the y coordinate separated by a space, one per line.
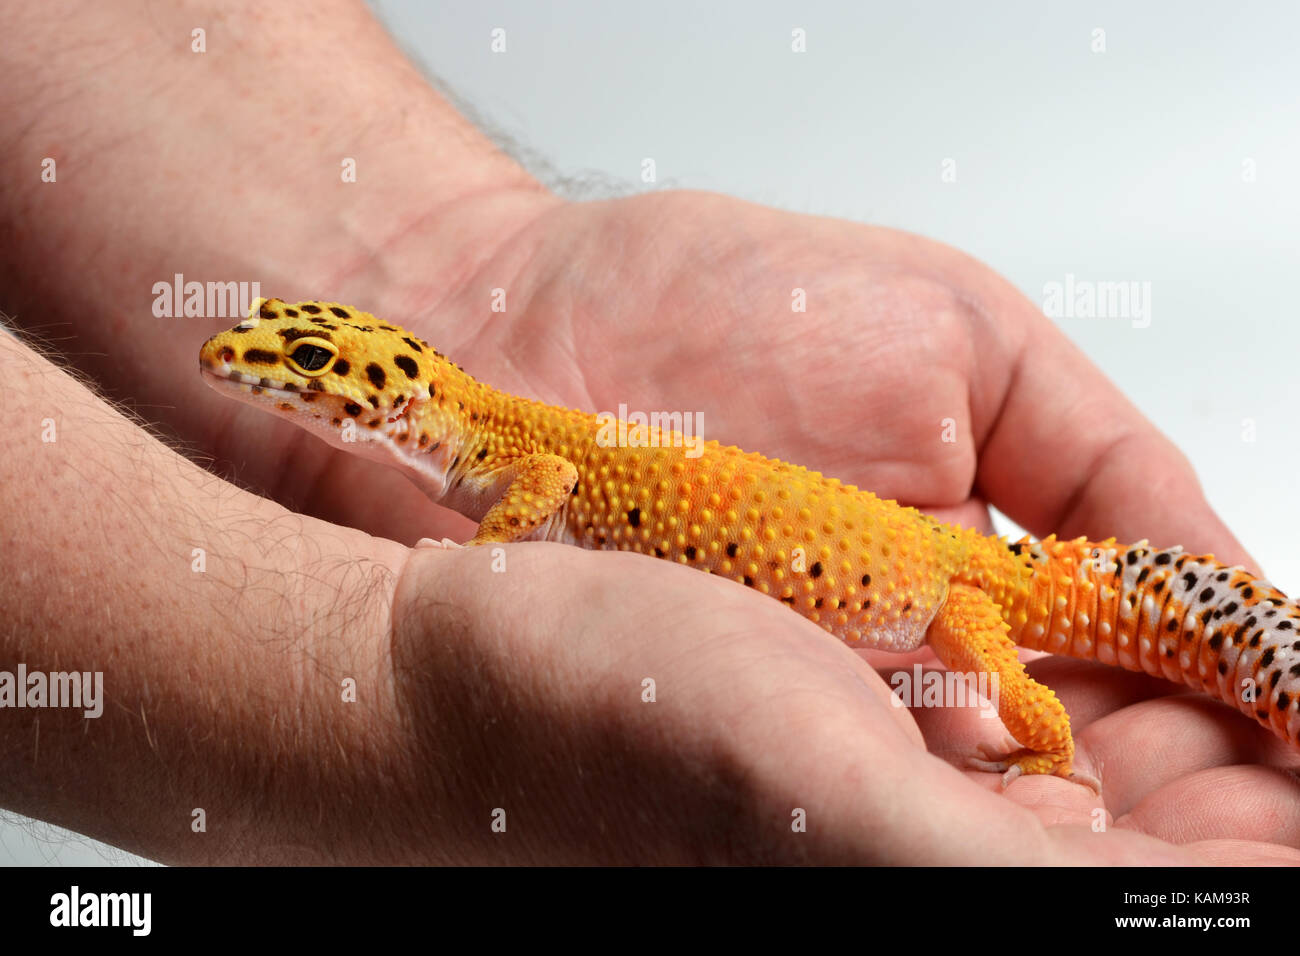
pixel 1167 613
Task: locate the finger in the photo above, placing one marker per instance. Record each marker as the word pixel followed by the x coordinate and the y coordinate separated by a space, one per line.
pixel 1154 744
pixel 1225 803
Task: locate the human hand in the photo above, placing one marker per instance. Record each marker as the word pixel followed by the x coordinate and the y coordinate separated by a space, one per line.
pixel 620 309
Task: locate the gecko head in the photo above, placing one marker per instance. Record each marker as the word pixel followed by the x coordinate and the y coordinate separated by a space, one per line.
pixel 336 371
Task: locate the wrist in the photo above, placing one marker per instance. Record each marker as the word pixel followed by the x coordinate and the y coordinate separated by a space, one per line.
pixel 300 151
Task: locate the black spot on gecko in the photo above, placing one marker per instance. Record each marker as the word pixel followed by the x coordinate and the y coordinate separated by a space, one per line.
pixel 690 552
pixel 309 308
pixel 407 365
pixel 261 357
pixel 1266 658
pixel 1164 557
pixel 374 401
pixel 1189 580
pixel 634 517
pixel 266 311
pixel 866 580
pixel 341 313
pixel 352 408
pixel 816 569
pixel 818 603
pixel 1132 558
pixel 1283 700
pixel 412 344
pixel 316 385
pixel 1216 642
pixel 659 552
pixel 1159 586
pixel 292 335
pixel 749 582
pixel 788 600
pixel 482 453
pixel 424 440
pixel 341 367
pixel 1172 625
pixel 732 549
pixel 376 375
pixel 1223 576
pixel 1142 576
pixel 1284 625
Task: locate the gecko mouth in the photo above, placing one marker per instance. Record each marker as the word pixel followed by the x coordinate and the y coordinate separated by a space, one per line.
pixel 226 377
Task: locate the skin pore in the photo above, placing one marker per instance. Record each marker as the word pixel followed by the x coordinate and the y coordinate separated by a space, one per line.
pixel 225 687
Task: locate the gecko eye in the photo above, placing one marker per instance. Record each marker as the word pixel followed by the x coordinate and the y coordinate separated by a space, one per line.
pixel 312 357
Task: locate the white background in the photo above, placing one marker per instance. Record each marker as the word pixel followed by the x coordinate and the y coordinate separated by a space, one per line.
pixel 1123 165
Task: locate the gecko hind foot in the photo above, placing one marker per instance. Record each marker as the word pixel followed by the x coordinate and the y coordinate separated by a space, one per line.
pixel 1018 762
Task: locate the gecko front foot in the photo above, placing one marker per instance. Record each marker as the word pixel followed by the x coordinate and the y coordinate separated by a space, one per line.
pixel 445 543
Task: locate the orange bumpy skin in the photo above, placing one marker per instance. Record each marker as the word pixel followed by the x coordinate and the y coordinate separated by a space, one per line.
pixel 869 571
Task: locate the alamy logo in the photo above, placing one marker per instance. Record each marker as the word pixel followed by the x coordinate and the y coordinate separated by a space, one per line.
pixel 103 909
pixel 204 300
pixel 922 688
pixel 653 430
pixel 72 689
pixel 1084 299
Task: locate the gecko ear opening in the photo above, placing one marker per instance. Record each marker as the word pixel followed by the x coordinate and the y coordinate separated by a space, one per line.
pixel 312 357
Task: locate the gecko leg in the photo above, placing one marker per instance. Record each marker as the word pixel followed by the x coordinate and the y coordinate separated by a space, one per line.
pixel 969 635
pixel 536 487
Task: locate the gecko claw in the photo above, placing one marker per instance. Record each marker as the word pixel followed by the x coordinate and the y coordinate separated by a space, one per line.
pixel 446 544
